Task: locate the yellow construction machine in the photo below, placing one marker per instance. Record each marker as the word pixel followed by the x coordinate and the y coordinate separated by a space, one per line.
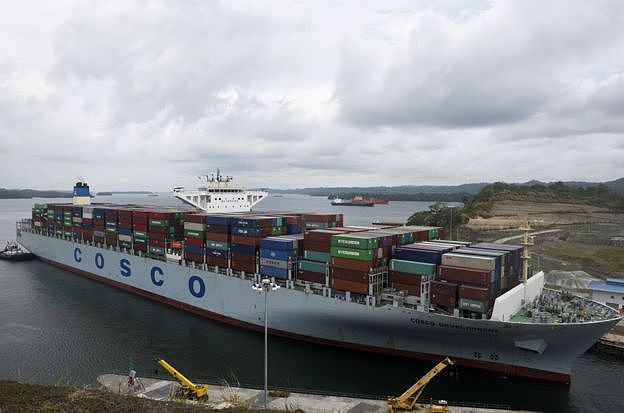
pixel 407 400
pixel 189 390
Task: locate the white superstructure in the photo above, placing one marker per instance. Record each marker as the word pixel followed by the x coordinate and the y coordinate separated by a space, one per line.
pixel 220 195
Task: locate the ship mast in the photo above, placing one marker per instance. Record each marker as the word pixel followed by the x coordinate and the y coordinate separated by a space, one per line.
pixel 526 242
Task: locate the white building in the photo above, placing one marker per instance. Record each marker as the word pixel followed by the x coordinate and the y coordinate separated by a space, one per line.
pixel 609 292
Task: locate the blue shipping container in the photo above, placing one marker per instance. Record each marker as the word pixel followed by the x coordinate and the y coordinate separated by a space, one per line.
pixel 411 254
pixel 125 231
pixel 243 249
pixel 193 249
pixel 218 219
pixel 293 229
pixel 273 272
pixel 211 252
pixel 247 232
pixel 278 243
pixel 277 254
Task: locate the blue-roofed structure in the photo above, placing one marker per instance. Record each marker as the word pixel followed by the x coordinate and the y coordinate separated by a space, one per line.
pixel 609 291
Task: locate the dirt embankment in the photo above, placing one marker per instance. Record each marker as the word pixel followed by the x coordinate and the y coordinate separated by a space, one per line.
pixel 511 214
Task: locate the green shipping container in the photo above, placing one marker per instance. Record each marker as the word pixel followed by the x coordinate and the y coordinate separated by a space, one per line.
pixel 276 231
pixel 218 245
pixel 433 233
pixel 356 254
pixel 354 241
pixel 156 250
pixel 473 305
pixel 317 225
pixel 318 267
pixel 140 234
pixel 194 234
pixel 111 230
pixel 158 223
pixel 316 256
pixel 412 267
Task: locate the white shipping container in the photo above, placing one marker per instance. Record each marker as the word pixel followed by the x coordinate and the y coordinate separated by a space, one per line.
pixel 194 226
pixel 87 215
pixel 469 261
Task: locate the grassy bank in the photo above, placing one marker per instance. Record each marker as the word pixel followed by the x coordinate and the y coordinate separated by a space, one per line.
pixel 583 256
pixel 20 397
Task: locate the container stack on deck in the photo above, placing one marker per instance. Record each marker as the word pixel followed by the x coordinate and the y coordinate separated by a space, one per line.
pixel 323 221
pixel 99 225
pixel 277 256
pixel 356 259
pixel 140 224
pixel 87 223
pixel 218 240
pixel 247 231
pixel 124 228
pixel 316 248
pixel 195 238
pixel 110 216
pixel 158 229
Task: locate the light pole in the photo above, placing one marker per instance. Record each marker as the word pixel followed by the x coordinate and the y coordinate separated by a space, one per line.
pixel 266 285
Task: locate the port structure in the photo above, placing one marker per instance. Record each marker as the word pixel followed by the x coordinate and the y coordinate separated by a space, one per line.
pixel 408 399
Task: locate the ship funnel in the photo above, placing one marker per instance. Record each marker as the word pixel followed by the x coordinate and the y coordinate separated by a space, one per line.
pixel 81 194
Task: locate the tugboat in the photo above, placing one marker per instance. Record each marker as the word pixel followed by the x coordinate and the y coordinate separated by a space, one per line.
pixel 14 252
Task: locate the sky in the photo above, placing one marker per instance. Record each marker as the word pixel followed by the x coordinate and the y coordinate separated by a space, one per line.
pixel 133 95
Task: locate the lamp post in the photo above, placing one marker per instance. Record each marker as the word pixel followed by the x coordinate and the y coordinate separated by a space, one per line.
pixel 265 285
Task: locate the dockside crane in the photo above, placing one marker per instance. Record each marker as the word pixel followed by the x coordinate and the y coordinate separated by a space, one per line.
pixel 189 390
pixel 407 400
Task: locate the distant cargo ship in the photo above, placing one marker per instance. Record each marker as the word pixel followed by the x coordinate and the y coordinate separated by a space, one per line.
pixel 390 289
pixel 357 201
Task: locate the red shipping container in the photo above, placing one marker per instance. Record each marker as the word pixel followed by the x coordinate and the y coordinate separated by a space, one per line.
pixel 474 293
pixel 321 217
pixel 464 275
pixel 159 215
pixel 411 289
pixel 344 285
pixel 219 262
pixel 243 266
pixel 321 235
pixel 194 257
pixel 142 214
pixel 195 218
pixel 111 240
pixel 196 242
pixel 354 264
pixel 87 235
pixel 350 275
pixel 316 246
pixel 218 237
pixel 158 230
pixel 138 246
pixel 239 256
pixel 218 229
pixel 311 277
pixel 139 227
pixel 155 242
pixel 404 278
pixel 250 241
pixel 444 288
pixel 159 237
pixel 443 300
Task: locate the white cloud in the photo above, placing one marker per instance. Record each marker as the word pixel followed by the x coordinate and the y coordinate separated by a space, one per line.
pixel 134 95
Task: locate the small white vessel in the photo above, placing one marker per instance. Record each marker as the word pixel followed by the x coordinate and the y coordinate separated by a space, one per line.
pixel 220 195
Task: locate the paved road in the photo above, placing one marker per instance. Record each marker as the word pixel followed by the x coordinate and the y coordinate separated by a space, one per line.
pixel 546 231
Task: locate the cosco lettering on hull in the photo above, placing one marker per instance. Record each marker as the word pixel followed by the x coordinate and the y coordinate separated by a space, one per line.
pixel 196 285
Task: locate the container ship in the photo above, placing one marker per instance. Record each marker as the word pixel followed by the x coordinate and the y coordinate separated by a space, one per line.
pixel 400 290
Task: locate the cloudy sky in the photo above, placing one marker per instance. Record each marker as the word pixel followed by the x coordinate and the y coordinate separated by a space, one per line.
pixel 150 94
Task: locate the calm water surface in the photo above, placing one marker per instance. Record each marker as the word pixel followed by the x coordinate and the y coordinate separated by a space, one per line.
pixel 59 327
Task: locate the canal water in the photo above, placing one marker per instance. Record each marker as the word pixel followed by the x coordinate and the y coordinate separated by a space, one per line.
pixel 56 327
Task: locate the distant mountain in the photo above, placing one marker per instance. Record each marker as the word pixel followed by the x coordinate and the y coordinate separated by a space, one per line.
pixel 465 189
pixel 32 193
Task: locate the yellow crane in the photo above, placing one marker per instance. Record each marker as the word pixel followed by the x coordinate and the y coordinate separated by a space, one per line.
pixel 407 400
pixel 189 390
